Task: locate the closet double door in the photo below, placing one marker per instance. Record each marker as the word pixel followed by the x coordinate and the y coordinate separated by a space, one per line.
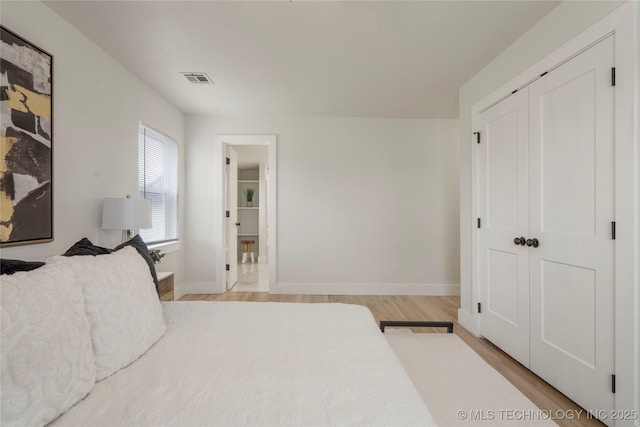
pixel 546 203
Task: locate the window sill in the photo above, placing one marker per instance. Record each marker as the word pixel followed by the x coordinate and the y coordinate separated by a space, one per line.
pixel 166 247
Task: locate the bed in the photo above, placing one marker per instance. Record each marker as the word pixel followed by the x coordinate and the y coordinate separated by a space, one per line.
pixel 200 364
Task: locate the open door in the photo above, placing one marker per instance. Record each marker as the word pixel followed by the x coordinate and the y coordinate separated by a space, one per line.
pixel 232 223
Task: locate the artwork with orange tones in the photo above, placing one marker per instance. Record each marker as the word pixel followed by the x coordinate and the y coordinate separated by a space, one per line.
pixel 26 137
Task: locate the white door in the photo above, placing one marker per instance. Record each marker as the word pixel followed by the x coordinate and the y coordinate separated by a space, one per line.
pixel 572 207
pixel 232 221
pixel 504 210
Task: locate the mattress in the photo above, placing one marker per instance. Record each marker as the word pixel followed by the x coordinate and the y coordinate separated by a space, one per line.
pixel 259 364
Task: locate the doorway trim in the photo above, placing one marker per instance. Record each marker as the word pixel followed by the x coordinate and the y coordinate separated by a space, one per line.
pixel 220 143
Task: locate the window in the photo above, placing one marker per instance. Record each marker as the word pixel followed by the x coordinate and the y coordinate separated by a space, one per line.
pixel 158 182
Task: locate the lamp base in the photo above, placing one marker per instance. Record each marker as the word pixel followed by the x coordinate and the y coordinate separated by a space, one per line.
pixel 127 235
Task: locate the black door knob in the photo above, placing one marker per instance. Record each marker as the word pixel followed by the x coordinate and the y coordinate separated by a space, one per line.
pixel 237 224
pixel 519 241
pixel 533 242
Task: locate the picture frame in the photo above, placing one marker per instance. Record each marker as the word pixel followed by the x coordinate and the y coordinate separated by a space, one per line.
pixel 26 141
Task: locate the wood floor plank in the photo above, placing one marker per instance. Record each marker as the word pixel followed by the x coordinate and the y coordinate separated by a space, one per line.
pixel 403 307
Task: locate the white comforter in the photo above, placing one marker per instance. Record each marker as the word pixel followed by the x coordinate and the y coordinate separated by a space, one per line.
pixel 268 364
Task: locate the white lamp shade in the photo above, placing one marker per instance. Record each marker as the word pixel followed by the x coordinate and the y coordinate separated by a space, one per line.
pixel 126 214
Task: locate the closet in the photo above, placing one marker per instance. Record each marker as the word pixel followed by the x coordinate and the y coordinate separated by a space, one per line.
pixel 249 210
pixel 546 227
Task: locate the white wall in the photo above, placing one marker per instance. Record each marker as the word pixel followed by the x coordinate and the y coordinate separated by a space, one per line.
pixel 360 201
pixel 96 109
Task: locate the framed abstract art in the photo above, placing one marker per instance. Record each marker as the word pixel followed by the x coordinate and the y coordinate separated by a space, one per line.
pixel 26 139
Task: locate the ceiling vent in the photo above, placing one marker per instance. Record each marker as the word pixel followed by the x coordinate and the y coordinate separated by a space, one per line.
pixel 198 78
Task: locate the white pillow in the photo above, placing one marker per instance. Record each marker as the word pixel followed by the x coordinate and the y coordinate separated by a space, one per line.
pixel 122 306
pixel 47 357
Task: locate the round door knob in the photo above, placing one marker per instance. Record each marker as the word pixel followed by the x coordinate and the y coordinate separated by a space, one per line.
pixel 237 224
pixel 533 242
pixel 519 241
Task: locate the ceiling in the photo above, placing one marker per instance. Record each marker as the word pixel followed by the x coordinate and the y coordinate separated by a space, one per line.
pixel 392 59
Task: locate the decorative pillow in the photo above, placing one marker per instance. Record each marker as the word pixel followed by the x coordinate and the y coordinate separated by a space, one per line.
pixel 122 306
pixel 10 266
pixel 85 247
pixel 46 351
pixel 143 250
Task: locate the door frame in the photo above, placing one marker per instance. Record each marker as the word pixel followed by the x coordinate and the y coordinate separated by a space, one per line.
pixel 219 189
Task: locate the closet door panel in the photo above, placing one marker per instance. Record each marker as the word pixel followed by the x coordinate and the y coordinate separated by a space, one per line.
pixel 567 132
pixel 503 182
pixel 572 200
pixel 567 285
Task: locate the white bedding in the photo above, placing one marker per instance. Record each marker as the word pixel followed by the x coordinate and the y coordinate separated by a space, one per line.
pixel 269 364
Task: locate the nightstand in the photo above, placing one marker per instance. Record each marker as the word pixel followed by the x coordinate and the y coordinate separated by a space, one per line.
pixel 165 285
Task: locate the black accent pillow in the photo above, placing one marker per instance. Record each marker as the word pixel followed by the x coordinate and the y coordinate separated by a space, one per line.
pixel 85 247
pixel 142 249
pixel 10 266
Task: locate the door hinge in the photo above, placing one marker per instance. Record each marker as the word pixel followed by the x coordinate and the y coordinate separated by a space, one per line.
pixel 479 223
pixel 613 230
pixel 227 267
pixel 227 214
pixel 613 76
pixel 613 383
pixel 477 134
pixel 479 307
pixel 228 161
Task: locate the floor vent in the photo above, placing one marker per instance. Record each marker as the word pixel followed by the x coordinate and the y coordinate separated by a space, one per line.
pixel 198 78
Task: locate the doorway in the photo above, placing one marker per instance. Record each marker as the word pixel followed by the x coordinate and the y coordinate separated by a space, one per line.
pixel 248 191
pixel 247 227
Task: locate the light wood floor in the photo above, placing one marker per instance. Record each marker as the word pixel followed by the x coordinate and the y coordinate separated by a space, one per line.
pixel 435 308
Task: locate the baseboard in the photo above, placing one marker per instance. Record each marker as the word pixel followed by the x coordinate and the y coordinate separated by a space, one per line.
pixel 193 288
pixel 365 289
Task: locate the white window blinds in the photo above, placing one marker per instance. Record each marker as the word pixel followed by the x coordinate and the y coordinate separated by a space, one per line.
pixel 158 182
